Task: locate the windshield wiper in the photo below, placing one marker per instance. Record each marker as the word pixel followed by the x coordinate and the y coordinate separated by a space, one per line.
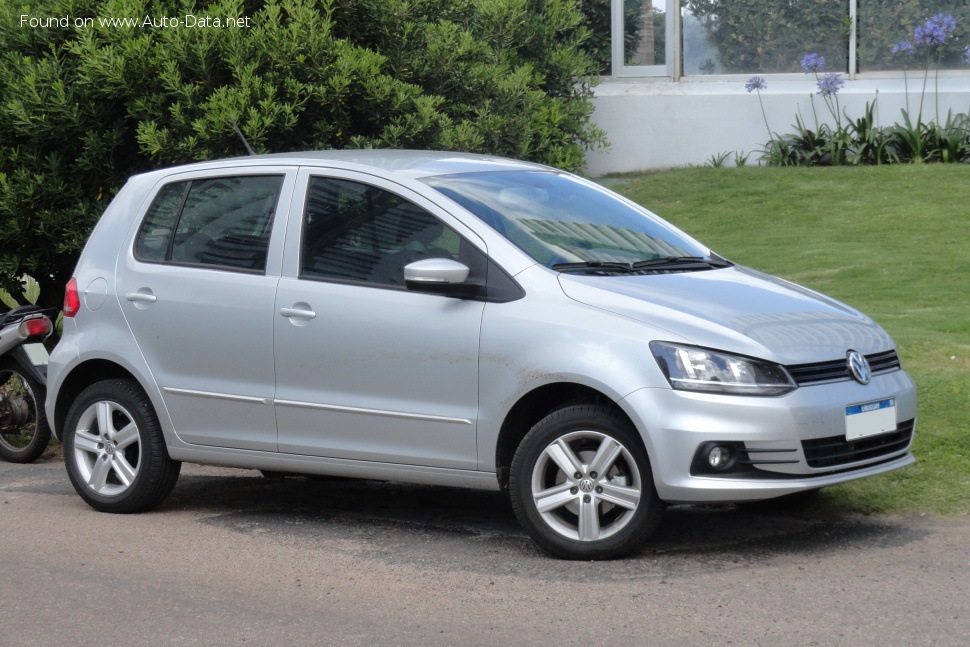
pixel 674 261
pixel 606 266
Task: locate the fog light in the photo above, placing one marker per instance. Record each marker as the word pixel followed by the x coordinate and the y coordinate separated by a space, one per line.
pixel 719 457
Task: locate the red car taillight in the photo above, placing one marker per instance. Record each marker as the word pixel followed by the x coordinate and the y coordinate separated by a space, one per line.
pixel 72 300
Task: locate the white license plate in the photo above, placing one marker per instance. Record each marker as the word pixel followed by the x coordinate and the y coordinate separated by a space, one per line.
pixel 870 418
pixel 37 354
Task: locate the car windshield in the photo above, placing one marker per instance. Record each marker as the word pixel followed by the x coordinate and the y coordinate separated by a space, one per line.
pixel 558 219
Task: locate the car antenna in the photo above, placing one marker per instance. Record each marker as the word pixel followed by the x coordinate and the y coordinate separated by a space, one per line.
pixel 242 137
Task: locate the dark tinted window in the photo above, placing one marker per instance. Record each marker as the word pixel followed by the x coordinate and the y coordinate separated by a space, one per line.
pixel 156 231
pixel 219 222
pixel 358 232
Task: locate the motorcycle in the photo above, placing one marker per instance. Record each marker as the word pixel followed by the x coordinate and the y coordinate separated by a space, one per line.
pixel 24 432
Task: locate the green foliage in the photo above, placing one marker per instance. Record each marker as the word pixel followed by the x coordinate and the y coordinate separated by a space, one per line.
pixel 773 35
pixel 29 290
pixel 718 160
pixel 82 108
pixel 861 142
pixel 598 17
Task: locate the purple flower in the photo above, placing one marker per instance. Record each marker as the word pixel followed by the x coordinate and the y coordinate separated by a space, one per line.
pixel 813 63
pixel 904 48
pixel 935 30
pixel 755 83
pixel 830 84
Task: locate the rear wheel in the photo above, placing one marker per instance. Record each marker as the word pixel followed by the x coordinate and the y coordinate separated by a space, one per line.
pixel 24 432
pixel 582 486
pixel 114 449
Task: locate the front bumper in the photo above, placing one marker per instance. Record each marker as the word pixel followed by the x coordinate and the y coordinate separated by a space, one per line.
pixel 674 424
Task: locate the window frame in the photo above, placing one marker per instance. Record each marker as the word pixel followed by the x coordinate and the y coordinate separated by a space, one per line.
pixel 672 50
pixel 674 68
pixel 298 219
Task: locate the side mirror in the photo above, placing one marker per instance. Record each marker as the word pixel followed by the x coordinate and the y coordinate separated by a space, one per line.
pixel 440 276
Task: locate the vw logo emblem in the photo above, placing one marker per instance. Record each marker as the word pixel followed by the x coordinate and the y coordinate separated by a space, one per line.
pixel 859 367
pixel 586 485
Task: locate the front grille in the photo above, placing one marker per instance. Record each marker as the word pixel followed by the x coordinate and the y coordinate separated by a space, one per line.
pixel 835 370
pixel 836 450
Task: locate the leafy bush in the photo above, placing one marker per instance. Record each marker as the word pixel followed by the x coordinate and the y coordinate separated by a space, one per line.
pixel 83 107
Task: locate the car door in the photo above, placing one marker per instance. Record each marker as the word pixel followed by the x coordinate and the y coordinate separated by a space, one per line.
pixel 197 287
pixel 366 369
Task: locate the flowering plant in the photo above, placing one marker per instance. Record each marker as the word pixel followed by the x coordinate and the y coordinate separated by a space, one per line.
pixel 830 84
pixel 935 30
pixel 862 141
pixel 931 37
pixel 813 63
pixel 757 84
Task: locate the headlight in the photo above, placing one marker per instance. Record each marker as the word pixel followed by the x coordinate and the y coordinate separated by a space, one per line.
pixel 691 368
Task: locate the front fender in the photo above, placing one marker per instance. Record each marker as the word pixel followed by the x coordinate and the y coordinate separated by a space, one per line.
pixel 548 338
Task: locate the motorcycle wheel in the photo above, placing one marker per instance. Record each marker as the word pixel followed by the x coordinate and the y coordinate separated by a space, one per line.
pixel 24 432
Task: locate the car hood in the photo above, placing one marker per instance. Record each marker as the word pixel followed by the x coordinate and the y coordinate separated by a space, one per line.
pixel 735 309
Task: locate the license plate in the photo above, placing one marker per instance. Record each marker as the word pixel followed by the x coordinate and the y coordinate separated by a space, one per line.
pixel 870 418
pixel 37 354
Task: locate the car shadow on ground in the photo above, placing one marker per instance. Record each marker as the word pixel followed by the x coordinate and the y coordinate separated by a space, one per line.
pixel 476 531
pixel 464 528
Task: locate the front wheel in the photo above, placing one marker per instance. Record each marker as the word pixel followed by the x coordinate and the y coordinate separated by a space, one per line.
pixel 24 432
pixel 581 484
pixel 114 449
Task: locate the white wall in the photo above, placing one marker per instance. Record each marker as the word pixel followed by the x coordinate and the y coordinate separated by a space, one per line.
pixel 661 124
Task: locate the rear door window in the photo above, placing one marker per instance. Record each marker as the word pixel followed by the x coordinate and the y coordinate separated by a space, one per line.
pixel 223 223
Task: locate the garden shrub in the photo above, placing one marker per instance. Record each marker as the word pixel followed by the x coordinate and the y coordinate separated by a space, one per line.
pixel 82 108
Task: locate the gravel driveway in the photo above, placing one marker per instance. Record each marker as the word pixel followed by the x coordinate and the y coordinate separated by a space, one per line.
pixel 232 558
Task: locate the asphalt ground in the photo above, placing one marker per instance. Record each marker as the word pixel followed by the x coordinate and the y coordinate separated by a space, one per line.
pixel 232 558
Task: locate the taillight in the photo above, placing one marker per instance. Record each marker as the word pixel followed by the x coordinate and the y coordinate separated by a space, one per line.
pixel 38 327
pixel 72 300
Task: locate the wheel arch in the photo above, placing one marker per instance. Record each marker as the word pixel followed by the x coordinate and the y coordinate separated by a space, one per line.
pixel 536 405
pixel 81 376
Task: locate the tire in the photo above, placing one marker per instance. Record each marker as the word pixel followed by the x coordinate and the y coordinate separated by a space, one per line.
pixel 581 485
pixel 114 449
pixel 24 432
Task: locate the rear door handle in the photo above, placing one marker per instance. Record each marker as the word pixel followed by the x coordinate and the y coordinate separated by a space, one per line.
pixel 294 312
pixel 141 296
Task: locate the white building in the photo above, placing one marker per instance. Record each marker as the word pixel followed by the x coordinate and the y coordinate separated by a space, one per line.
pixel 675 93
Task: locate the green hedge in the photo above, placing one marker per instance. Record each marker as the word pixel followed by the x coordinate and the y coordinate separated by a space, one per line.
pixel 83 107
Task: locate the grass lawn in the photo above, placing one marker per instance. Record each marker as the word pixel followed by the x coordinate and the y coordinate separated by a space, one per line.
pixel 892 241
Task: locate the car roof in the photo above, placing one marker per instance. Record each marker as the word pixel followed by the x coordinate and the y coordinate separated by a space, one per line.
pixel 410 163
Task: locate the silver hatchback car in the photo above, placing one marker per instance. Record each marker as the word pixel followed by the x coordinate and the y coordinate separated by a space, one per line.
pixel 458 320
